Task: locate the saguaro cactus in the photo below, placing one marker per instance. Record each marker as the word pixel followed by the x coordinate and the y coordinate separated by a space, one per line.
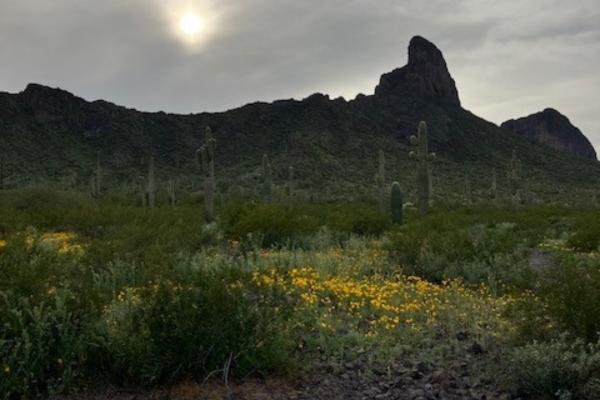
pixel 514 179
pixel 290 182
pixel 141 183
pixel 151 188
pixel 380 181
pixel 423 158
pixel 468 191
pixel 267 177
pixel 206 156
pixel 96 179
pixel 171 192
pixel 396 204
pixel 1 172
pixel 493 192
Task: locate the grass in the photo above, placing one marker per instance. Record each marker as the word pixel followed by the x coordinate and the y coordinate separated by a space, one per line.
pixel 109 291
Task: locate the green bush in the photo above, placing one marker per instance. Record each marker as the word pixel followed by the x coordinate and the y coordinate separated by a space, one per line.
pixel 132 322
pixel 563 369
pixel 41 198
pixel 447 246
pixel 277 224
pixel 572 290
pixel 42 346
pixel 167 329
pixel 587 237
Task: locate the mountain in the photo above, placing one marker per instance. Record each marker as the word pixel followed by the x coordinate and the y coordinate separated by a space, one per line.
pixel 551 128
pixel 49 134
pixel 426 76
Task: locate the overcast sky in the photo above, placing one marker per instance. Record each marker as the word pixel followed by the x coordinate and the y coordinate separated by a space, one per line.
pixel 509 58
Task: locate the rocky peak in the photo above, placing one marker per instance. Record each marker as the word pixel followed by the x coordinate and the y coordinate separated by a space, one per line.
pixel 425 75
pixel 49 105
pixel 553 129
pixel 46 98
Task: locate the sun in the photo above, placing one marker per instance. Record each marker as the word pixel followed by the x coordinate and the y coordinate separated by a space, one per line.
pixel 191 25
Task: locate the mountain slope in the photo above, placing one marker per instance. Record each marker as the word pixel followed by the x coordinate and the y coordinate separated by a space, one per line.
pixel 49 133
pixel 551 128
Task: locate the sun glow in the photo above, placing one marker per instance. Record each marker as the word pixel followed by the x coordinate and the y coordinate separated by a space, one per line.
pixel 191 25
pixel 191 22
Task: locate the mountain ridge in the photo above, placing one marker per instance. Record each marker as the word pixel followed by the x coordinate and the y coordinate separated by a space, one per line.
pixel 53 133
pixel 553 129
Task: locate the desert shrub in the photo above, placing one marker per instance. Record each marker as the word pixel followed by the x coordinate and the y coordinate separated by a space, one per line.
pixel 149 236
pixel 447 246
pixel 276 224
pixel 63 320
pixel 42 346
pixel 572 290
pixel 562 369
pixel 38 198
pixel 166 329
pixel 586 237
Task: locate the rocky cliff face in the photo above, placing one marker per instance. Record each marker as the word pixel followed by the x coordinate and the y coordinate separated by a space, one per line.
pixel 551 128
pixel 425 75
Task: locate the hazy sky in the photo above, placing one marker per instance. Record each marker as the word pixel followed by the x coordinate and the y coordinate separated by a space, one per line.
pixel 509 58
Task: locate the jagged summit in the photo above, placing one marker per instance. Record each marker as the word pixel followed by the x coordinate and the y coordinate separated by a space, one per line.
pixel 36 90
pixel 551 128
pixel 426 75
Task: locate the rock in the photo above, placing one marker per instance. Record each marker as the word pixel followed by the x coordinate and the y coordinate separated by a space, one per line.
pixel 553 129
pixel 540 261
pixel 370 393
pixel 476 348
pixel 416 394
pixel 423 367
pixel 426 75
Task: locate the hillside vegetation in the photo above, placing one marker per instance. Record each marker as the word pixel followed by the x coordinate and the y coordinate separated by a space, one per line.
pixel 103 290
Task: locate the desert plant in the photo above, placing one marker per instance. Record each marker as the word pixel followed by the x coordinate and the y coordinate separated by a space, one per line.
pixel 290 182
pixel 151 184
pixel 96 179
pixel 396 204
pixel 1 172
pixel 562 369
pixel 572 290
pixel 493 192
pixel 514 180
pixel 171 192
pixel 468 191
pixel 380 181
pixel 267 179
pixel 206 155
pixel 42 345
pixel 141 188
pixel 423 158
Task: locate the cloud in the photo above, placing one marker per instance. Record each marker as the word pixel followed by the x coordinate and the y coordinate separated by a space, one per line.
pixel 509 58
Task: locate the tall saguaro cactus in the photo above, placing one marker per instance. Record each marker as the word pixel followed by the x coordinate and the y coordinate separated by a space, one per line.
pixel 206 155
pixel 493 192
pixel 423 158
pixel 468 191
pixel 514 179
pixel 267 177
pixel 396 204
pixel 151 188
pixel 1 172
pixel 290 182
pixel 171 192
pixel 96 179
pixel 380 181
pixel 141 185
